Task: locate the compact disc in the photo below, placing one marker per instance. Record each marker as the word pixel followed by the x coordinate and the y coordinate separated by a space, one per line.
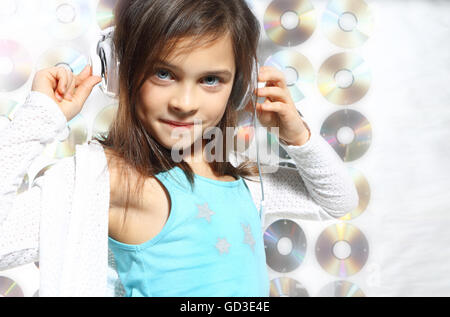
pixel 287 287
pixel 41 173
pixel 272 141
pixel 348 132
pixel 347 23
pixel 285 244
pixel 63 55
pixel 363 189
pixel 244 131
pixel 289 23
pixel 64 148
pixel 67 19
pixel 342 249
pixel 341 289
pixel 344 78
pixel 15 65
pixel 9 288
pixel 298 71
pixel 105 13
pixel 103 121
pixel 23 187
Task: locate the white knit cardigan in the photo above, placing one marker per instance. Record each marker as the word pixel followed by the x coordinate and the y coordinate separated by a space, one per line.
pixel 62 220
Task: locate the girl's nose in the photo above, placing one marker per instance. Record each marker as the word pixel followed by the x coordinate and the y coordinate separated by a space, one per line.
pixel 184 102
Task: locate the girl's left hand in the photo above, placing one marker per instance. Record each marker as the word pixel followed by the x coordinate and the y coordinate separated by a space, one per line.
pixel 278 110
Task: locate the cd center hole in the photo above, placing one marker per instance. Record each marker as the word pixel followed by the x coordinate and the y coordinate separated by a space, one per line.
pixel 290 20
pixel 348 21
pixel 291 75
pixel 6 65
pixel 342 249
pixel 345 135
pixel 344 78
pixel 284 246
pixel 65 13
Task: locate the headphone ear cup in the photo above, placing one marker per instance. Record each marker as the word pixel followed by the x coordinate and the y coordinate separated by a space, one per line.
pixel 109 64
pixel 249 91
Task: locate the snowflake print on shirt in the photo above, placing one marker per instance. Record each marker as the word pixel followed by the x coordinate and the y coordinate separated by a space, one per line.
pixel 248 239
pixel 204 212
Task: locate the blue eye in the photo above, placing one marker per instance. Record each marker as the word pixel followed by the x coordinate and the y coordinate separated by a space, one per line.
pixel 162 71
pixel 213 77
pixel 211 80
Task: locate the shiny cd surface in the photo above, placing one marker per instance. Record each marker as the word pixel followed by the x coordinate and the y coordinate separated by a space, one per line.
pixel 105 13
pixel 273 143
pixel 289 23
pixel 65 148
pixel 67 19
pixel 363 189
pixel 15 65
pixel 342 249
pixel 285 244
pixel 341 289
pixel 41 173
pixel 347 23
pixel 348 132
pixel 298 70
pixel 9 288
pixel 103 121
pixel 287 287
pixel 244 131
pixel 344 78
pixel 23 187
pixel 63 55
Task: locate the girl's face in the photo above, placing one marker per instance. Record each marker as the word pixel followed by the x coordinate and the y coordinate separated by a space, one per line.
pixel 194 88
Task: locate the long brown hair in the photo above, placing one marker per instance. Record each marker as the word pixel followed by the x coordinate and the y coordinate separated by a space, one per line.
pixel 147 30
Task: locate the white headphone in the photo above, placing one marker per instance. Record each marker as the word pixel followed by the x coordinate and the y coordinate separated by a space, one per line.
pixel 108 69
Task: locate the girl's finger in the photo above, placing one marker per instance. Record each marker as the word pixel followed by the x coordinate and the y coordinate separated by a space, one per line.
pixel 61 76
pixel 273 94
pixel 71 90
pixel 273 106
pixel 273 76
pixel 58 96
pixel 85 73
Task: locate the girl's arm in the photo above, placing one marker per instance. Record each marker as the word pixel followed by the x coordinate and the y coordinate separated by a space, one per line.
pixel 35 124
pixel 322 182
pixel 324 175
pixel 57 96
pixel 320 187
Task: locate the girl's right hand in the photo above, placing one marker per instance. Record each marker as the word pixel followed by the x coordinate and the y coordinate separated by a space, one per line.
pixel 68 90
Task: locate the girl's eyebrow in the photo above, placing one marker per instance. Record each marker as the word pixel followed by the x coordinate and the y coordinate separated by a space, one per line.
pixel 224 72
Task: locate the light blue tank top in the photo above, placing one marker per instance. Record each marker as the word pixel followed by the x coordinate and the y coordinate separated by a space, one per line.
pixel 211 245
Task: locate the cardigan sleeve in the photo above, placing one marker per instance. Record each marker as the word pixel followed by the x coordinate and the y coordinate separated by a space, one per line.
pixel 324 175
pixel 35 124
pixel 318 188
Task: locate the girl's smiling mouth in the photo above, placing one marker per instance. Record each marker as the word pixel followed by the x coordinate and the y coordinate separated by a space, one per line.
pixel 176 124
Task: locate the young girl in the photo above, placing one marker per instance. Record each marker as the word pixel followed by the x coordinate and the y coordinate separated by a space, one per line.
pixel 188 228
